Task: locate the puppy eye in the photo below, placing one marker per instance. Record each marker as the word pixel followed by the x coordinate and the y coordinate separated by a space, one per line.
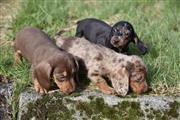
pixel 126 34
pixel 117 34
pixel 115 30
pixel 138 81
pixel 61 77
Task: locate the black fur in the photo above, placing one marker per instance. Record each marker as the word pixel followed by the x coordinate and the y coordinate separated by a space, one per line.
pixel 117 37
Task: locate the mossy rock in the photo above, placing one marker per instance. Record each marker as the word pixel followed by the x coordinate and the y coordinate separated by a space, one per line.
pixel 98 106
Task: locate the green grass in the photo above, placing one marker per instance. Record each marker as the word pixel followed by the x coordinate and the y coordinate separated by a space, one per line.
pixel 157 23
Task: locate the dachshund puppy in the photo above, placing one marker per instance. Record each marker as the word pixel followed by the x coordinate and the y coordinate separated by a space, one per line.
pixel 122 70
pixel 117 37
pixel 48 61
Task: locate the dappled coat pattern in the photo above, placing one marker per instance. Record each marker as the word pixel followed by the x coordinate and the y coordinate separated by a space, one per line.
pixel 122 70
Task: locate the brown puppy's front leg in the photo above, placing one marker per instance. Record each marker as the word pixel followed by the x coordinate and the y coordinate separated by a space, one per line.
pixel 102 84
pixel 17 57
pixel 37 85
pixel 42 73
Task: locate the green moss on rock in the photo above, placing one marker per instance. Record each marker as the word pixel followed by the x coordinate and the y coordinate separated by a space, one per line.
pixel 124 110
pixel 173 112
pixel 47 107
pixel 165 114
pixel 75 94
pixel 56 106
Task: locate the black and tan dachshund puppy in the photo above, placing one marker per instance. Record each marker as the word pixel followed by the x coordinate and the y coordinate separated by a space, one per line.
pixel 117 37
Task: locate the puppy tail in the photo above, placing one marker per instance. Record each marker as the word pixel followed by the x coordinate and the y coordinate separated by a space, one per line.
pixel 78 22
pixel 61 31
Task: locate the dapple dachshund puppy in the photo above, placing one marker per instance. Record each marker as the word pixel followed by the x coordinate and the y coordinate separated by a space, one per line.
pixel 122 70
pixel 48 61
pixel 117 37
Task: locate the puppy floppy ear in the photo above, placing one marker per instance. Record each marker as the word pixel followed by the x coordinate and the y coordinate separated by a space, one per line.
pixel 77 70
pixel 111 32
pixel 121 84
pixel 140 45
pixel 76 63
pixel 43 72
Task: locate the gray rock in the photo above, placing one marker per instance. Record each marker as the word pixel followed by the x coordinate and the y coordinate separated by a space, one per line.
pixel 93 105
pixel 5 99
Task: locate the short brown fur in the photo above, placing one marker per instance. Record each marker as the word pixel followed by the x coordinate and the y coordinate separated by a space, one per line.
pixel 47 60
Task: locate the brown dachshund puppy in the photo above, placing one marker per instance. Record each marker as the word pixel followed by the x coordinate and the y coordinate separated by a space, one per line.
pixel 122 70
pixel 47 60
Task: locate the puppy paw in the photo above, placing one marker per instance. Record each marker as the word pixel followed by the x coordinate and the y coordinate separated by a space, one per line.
pixel 109 91
pixel 39 89
pixel 44 91
pixel 105 88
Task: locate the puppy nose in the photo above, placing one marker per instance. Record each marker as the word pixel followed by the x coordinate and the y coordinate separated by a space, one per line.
pixel 68 91
pixel 116 40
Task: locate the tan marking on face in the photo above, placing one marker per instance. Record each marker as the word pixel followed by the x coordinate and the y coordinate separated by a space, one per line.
pixel 121 42
pixel 65 73
pixel 39 88
pixel 138 86
pixel 66 86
